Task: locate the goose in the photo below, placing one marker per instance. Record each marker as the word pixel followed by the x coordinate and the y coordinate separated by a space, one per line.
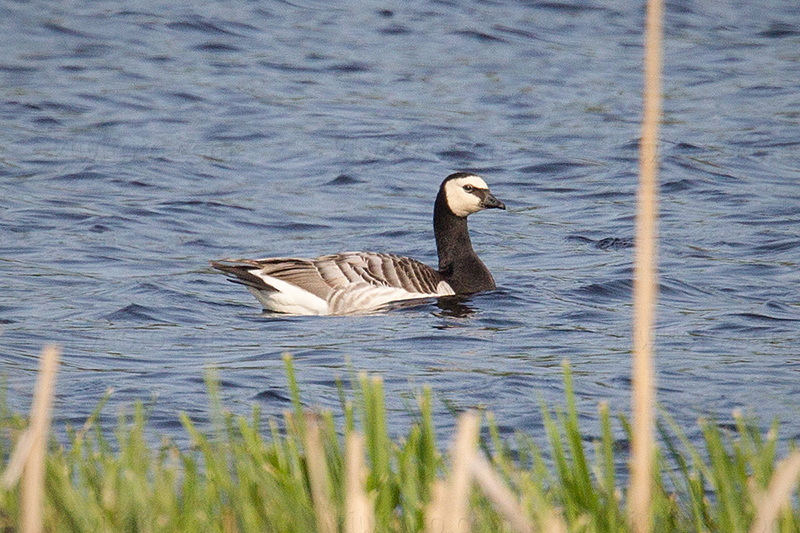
pixel 357 282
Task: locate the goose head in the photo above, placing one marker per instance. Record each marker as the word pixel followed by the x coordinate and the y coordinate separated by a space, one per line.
pixel 466 193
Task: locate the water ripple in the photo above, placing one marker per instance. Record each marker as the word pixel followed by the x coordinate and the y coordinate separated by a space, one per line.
pixel 139 143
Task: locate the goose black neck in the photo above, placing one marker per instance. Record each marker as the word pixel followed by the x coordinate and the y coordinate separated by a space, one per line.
pixel 458 263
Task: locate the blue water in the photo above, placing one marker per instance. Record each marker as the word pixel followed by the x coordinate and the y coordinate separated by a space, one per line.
pixel 140 140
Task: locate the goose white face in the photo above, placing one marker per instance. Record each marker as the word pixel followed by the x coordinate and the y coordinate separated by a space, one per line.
pixel 461 195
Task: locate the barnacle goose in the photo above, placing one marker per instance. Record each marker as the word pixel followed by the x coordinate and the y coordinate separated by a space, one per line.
pixel 356 282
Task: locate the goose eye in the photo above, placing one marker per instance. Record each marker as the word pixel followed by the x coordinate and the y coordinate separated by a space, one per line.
pixel 469 188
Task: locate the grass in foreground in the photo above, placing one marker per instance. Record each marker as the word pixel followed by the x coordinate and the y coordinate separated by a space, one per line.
pixel 304 476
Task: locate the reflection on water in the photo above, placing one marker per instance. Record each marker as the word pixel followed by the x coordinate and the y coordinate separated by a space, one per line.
pixel 454 307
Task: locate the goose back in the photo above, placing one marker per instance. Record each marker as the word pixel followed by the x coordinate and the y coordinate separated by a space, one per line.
pixel 336 284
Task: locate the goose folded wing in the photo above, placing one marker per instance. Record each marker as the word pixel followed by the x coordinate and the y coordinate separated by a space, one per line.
pixel 379 270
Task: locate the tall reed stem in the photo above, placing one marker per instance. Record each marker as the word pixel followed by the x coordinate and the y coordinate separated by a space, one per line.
pixel 33 475
pixel 645 283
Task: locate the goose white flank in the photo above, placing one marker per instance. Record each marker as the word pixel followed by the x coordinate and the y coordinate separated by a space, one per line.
pixel 358 282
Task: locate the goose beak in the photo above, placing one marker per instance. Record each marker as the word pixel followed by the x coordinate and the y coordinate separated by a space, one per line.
pixel 490 201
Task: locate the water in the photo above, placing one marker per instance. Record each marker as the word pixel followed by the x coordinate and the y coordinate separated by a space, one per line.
pixel 141 140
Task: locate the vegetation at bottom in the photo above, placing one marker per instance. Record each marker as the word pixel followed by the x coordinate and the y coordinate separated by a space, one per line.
pixel 246 475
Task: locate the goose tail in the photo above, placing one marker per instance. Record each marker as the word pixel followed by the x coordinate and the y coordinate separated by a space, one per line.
pixel 241 272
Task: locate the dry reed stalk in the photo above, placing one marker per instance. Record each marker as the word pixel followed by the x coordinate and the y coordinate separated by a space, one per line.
pixel 17 461
pixel 462 455
pixel 778 495
pixel 435 514
pixel 645 284
pixel 359 515
pixel 319 477
pixel 449 510
pixel 500 495
pixel 28 459
pixel 554 523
